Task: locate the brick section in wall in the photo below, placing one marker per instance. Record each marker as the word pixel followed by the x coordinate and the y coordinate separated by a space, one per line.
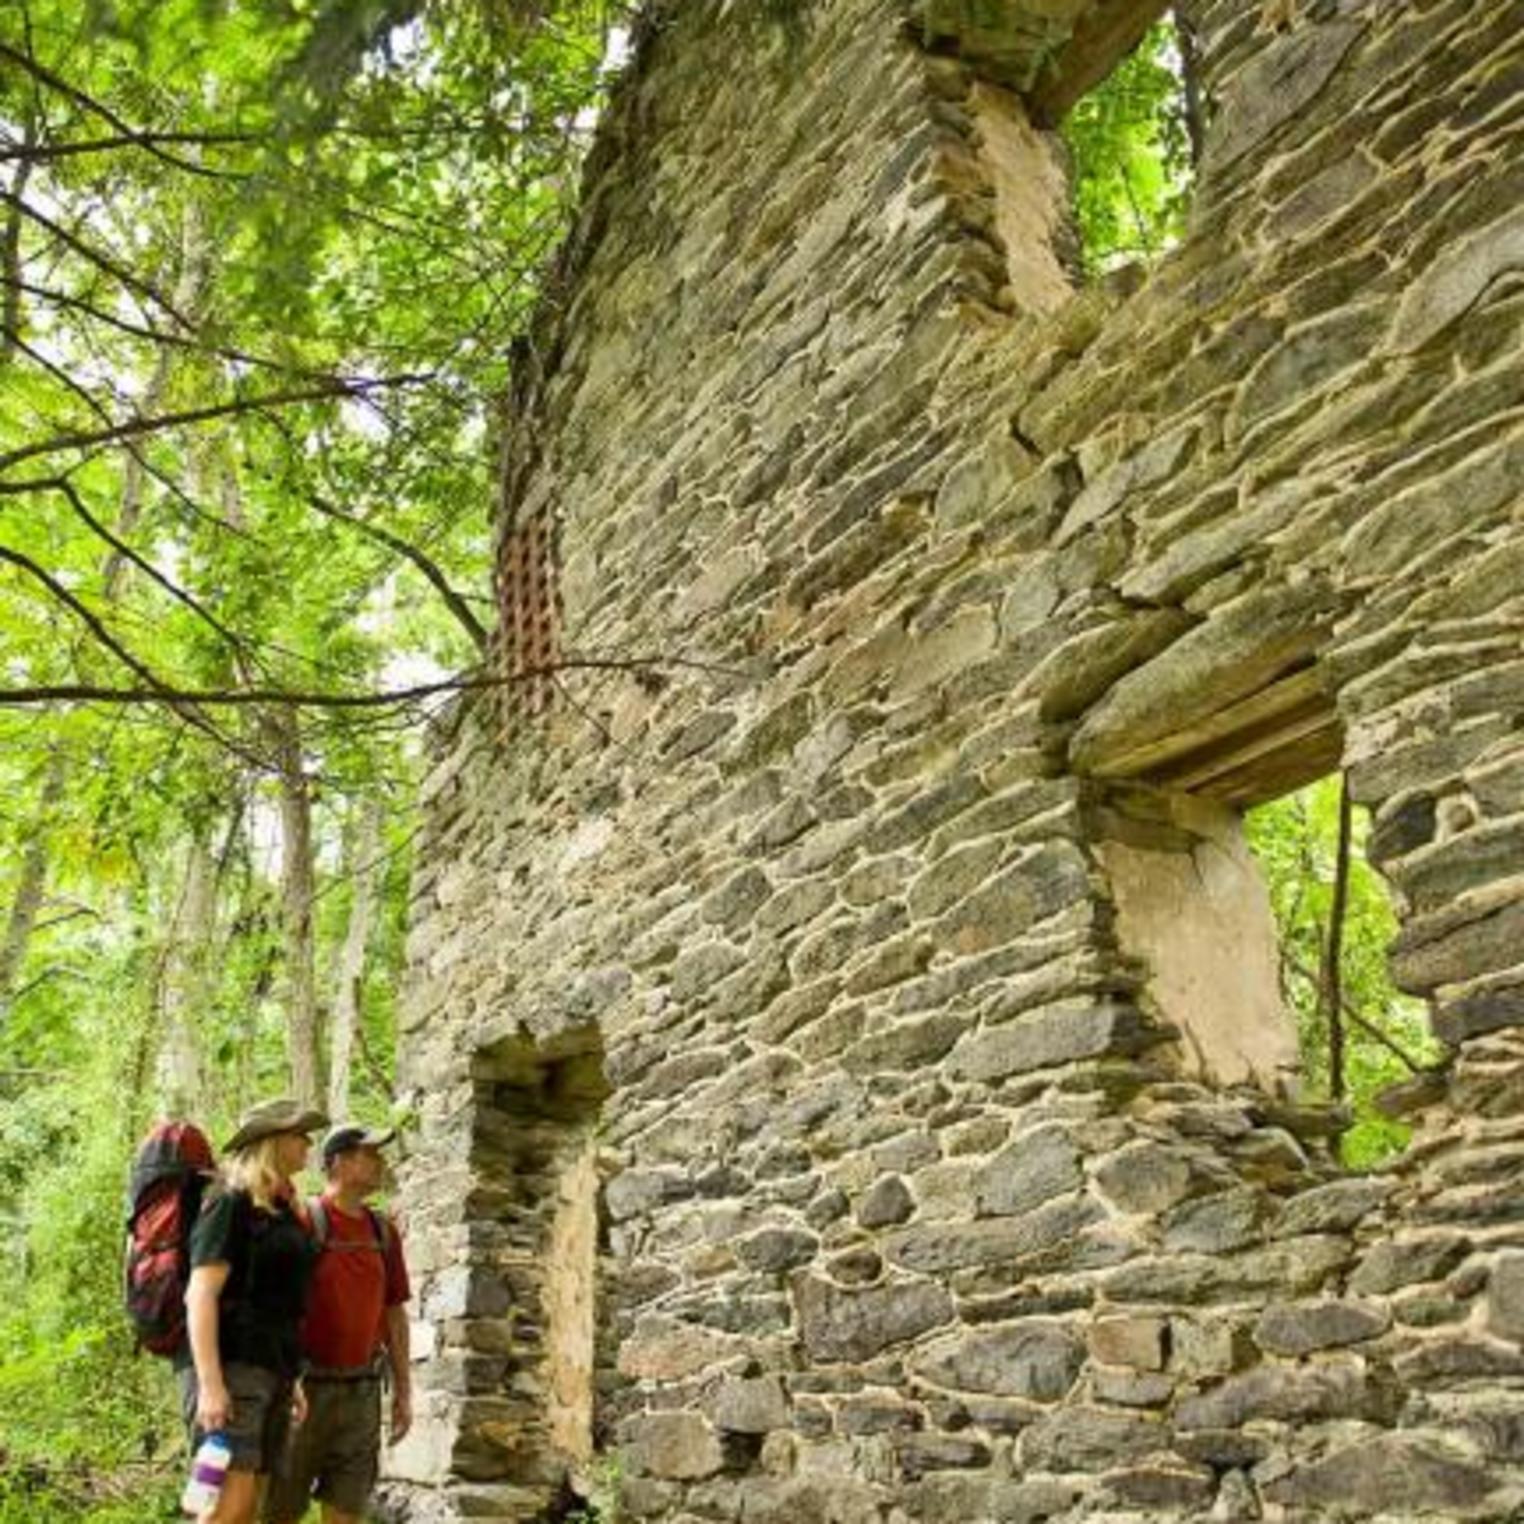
pixel 529 605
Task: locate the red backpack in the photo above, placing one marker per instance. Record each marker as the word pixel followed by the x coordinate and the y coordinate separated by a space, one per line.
pixel 169 1174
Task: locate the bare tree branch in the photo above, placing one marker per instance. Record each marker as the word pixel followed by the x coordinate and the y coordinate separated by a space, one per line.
pixel 123 549
pixel 66 302
pixel 157 692
pixel 149 141
pixel 37 153
pixel 136 427
pixel 93 256
pixel 452 599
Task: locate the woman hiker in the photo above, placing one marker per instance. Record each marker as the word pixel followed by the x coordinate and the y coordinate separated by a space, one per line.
pixel 251 1260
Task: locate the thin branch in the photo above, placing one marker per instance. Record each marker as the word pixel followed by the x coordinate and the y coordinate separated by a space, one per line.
pixel 87 616
pixel 66 917
pixel 103 262
pixel 38 153
pixel 452 599
pixel 10 249
pixel 64 300
pixel 1366 1025
pixel 152 572
pixel 159 693
pixel 134 428
pixel 146 141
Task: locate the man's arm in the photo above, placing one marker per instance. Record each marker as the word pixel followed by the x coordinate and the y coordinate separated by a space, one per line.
pixel 398 1354
pixel 213 1406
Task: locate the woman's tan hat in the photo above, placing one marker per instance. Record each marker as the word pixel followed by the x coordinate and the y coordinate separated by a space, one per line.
pixel 283 1114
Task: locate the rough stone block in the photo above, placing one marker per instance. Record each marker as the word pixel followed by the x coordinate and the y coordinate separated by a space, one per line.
pixel 1036 1167
pixel 1300 1328
pixel 1136 1341
pixel 678 1446
pixel 839 1323
pixel 1039 1361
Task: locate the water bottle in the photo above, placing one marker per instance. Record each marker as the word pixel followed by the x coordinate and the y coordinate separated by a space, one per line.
pixel 208 1470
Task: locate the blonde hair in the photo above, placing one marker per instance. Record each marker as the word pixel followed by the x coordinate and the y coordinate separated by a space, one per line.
pixel 254 1169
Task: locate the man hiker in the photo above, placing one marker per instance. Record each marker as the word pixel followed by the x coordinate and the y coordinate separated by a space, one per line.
pixel 355 1329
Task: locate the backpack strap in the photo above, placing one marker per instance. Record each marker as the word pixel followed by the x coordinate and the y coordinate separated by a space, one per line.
pixel 322 1229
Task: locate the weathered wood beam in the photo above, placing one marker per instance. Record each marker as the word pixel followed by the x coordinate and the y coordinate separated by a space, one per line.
pixel 1102 37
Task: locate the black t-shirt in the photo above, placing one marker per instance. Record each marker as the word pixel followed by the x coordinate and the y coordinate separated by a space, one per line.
pixel 270 1256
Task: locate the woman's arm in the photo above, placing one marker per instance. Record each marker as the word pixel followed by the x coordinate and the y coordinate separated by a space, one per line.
pixel 213 1406
pixel 402 1371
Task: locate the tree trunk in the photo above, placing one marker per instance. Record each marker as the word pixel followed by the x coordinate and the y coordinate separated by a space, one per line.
pixel 303 1026
pixel 31 885
pixel 186 986
pixel 365 874
pixel 1333 952
pixel 189 297
pixel 10 246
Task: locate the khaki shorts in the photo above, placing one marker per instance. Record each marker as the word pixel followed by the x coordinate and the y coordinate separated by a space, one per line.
pixel 256 1432
pixel 334 1456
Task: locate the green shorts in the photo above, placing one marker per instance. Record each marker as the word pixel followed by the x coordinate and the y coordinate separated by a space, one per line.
pixel 334 1456
pixel 261 1419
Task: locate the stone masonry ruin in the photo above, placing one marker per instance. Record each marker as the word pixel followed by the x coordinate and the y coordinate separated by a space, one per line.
pixel 849 1087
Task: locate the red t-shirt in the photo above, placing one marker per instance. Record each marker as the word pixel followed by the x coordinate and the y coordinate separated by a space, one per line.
pixel 352 1287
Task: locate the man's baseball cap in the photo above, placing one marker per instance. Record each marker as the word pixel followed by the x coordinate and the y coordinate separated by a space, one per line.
pixel 351 1135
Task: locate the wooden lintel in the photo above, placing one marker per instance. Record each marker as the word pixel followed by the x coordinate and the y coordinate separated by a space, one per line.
pixel 1286 694
pixel 1196 772
pixel 1106 34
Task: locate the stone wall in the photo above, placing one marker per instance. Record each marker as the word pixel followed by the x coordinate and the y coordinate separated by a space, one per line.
pixel 915 1205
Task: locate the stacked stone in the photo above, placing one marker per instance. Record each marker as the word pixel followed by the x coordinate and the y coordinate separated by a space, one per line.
pixel 915 1206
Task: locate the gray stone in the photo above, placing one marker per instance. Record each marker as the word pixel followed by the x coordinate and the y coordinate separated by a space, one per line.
pixel 1291 1395
pixel 680 1446
pixel 1505 1297
pixel 734 902
pixel 1051 1035
pixel 773 1250
pixel 837 1323
pixel 1039 1361
pixel 886 1202
pixel 697 971
pixel 1215 1224
pixel 754 1406
pixel 934 1250
pixel 920 1454
pixel 1144 1178
pixel 905 1044
pixel 1398 1474
pixel 957 1498
pixel 1161 1487
pixel 1405 1263
pixel 1037 1166
pixel 1457 279
pixel 1278 84
pixel 1089 1439
pixel 635 1192
pixel 1333 1208
pixel 1299 1328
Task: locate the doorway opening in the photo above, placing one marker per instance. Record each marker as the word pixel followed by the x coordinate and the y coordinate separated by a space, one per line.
pixel 535 1232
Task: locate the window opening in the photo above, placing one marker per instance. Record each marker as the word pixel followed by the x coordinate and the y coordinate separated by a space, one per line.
pixel 1134 142
pixel 1385 1034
